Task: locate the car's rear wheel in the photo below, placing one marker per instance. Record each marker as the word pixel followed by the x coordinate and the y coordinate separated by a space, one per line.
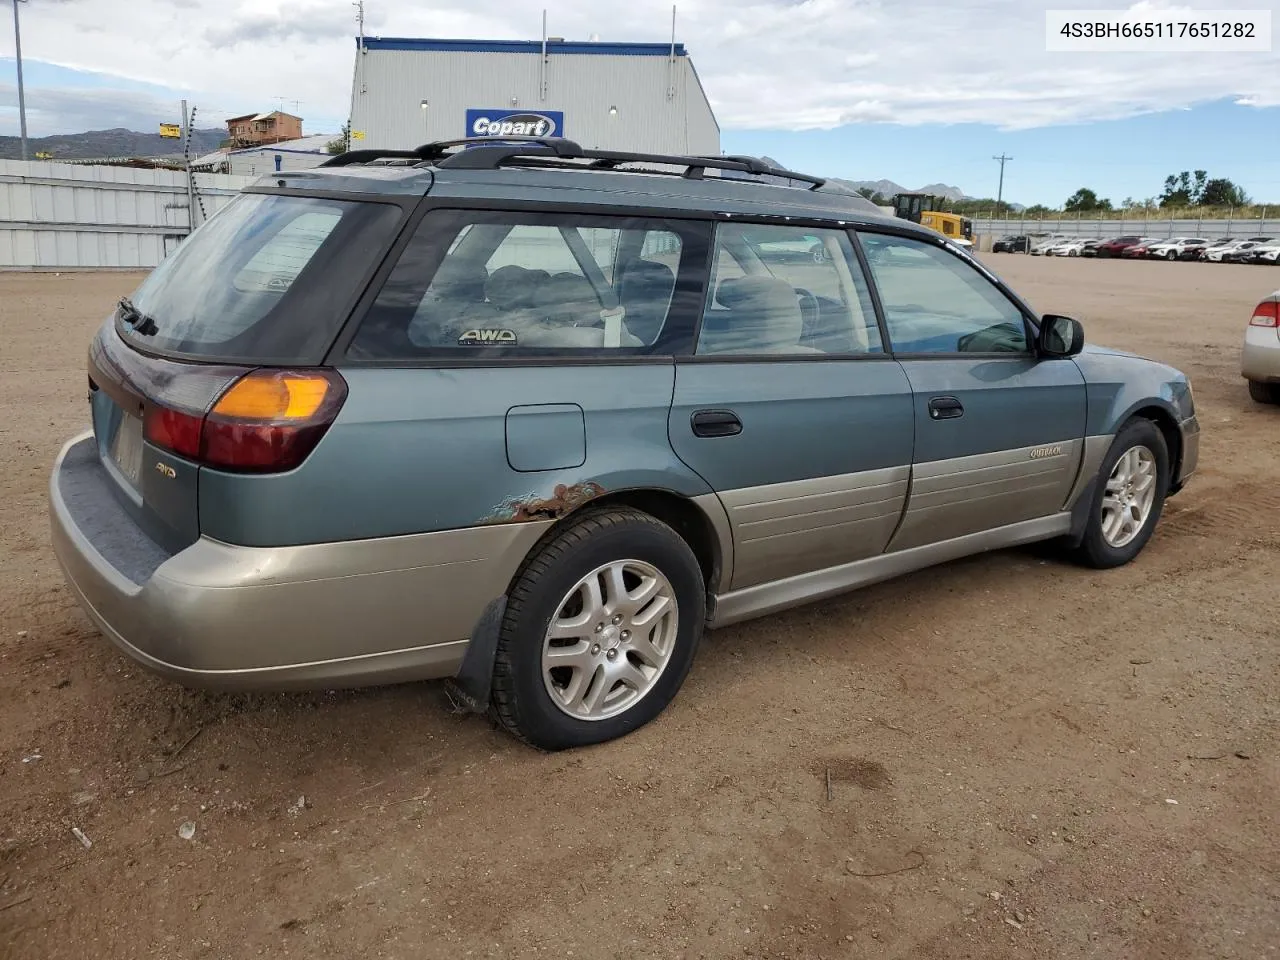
pixel 1264 392
pixel 1132 483
pixel 600 630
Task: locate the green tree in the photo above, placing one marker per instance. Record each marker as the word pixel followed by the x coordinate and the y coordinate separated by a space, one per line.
pixel 342 142
pixel 1085 200
pixel 1222 193
pixel 1178 190
pixel 1037 210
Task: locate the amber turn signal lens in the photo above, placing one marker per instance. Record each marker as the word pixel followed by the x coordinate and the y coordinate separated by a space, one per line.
pixel 274 395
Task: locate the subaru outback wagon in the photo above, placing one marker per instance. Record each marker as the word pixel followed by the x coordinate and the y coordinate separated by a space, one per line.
pixel 531 416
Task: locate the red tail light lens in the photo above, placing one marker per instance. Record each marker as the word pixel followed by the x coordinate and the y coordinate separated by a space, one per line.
pixel 266 421
pixel 174 430
pixel 1266 314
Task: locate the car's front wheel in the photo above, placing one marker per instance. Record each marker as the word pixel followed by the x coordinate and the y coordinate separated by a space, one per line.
pixel 600 630
pixel 1264 392
pixel 1128 498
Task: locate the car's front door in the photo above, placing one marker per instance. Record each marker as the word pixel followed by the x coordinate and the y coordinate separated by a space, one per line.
pixel 790 408
pixel 999 432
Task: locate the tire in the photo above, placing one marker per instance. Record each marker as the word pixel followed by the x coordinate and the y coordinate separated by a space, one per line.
pixel 547 586
pixel 1095 549
pixel 1264 392
pixel 1074 253
pixel 1171 256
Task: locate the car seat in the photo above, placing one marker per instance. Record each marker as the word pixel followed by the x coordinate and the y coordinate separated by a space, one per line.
pixel 763 316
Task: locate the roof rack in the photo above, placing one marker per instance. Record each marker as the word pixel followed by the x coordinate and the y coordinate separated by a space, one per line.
pixel 490 153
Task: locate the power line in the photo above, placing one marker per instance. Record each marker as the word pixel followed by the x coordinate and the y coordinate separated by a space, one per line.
pixel 22 101
pixel 1000 190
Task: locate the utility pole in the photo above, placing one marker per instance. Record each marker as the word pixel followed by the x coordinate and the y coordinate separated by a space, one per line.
pixel 1000 189
pixel 22 100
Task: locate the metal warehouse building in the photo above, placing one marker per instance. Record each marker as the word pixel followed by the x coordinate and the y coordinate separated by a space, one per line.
pixel 621 96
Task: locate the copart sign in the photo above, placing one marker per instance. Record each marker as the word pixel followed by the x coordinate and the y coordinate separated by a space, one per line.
pixel 515 123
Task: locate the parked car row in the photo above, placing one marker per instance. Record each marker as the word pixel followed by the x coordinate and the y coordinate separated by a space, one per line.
pixel 1259 250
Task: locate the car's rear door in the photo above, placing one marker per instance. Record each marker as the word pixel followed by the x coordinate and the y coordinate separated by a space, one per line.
pixel 790 408
pixel 999 432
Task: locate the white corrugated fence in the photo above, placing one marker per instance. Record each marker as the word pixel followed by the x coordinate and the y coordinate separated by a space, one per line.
pixel 58 216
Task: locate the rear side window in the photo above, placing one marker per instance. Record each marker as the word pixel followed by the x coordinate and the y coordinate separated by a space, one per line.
pixel 478 285
pixel 267 279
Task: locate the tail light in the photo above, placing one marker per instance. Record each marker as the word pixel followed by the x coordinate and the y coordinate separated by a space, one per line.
pixel 1266 314
pixel 264 422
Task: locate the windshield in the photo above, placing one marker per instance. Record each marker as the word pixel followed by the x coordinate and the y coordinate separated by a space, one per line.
pixel 268 279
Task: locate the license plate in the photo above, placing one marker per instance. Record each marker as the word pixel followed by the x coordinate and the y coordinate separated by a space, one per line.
pixel 126 448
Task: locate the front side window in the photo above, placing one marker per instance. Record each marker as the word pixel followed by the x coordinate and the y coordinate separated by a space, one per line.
pixel 786 290
pixel 477 284
pixel 935 302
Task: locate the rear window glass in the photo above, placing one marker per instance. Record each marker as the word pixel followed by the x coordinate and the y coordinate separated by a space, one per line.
pixel 268 279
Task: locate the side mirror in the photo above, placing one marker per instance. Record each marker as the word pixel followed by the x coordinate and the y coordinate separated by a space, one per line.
pixel 1060 336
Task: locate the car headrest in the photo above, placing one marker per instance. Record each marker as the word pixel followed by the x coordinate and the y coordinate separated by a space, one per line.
pixel 512 286
pixel 565 289
pixel 764 311
pixel 646 279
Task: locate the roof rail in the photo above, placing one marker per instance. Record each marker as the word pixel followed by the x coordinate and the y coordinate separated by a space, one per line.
pixel 368 156
pixel 490 153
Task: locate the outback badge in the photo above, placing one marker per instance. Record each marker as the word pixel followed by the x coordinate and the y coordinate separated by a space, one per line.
pixel 1039 453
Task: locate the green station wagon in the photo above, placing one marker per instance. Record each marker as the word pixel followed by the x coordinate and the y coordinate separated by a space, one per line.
pixel 531 417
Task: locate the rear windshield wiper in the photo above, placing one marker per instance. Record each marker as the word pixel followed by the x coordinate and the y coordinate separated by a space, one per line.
pixel 137 321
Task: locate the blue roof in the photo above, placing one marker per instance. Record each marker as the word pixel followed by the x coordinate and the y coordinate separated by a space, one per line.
pixel 524 46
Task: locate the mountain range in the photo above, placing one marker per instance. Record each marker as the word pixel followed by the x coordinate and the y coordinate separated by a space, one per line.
pixel 118 142
pixel 887 188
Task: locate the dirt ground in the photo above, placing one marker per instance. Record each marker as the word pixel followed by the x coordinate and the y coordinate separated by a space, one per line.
pixel 1027 759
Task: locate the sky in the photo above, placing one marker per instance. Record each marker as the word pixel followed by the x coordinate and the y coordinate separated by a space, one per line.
pixel 910 91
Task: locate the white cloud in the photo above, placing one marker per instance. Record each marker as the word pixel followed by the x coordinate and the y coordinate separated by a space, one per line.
pixel 788 64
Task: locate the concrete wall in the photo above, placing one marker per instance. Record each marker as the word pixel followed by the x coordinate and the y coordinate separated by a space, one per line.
pixel 57 216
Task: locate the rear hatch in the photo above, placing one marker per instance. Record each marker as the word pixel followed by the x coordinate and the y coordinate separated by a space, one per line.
pixel 216 359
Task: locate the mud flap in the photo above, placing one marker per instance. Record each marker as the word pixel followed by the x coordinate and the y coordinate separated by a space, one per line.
pixel 474 681
pixel 1080 514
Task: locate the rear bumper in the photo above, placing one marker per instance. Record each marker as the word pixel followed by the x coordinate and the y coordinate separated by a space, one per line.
pixel 229 617
pixel 1260 358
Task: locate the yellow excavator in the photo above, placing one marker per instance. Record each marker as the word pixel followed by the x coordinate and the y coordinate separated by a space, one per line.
pixel 925 209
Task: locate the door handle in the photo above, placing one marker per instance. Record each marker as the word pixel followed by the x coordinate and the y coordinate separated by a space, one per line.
pixel 945 408
pixel 715 423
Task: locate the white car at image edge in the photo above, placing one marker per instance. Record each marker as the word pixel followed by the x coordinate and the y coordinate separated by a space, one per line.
pixel 1260 358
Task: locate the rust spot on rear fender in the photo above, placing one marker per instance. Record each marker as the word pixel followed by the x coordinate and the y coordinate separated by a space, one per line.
pixel 563 500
